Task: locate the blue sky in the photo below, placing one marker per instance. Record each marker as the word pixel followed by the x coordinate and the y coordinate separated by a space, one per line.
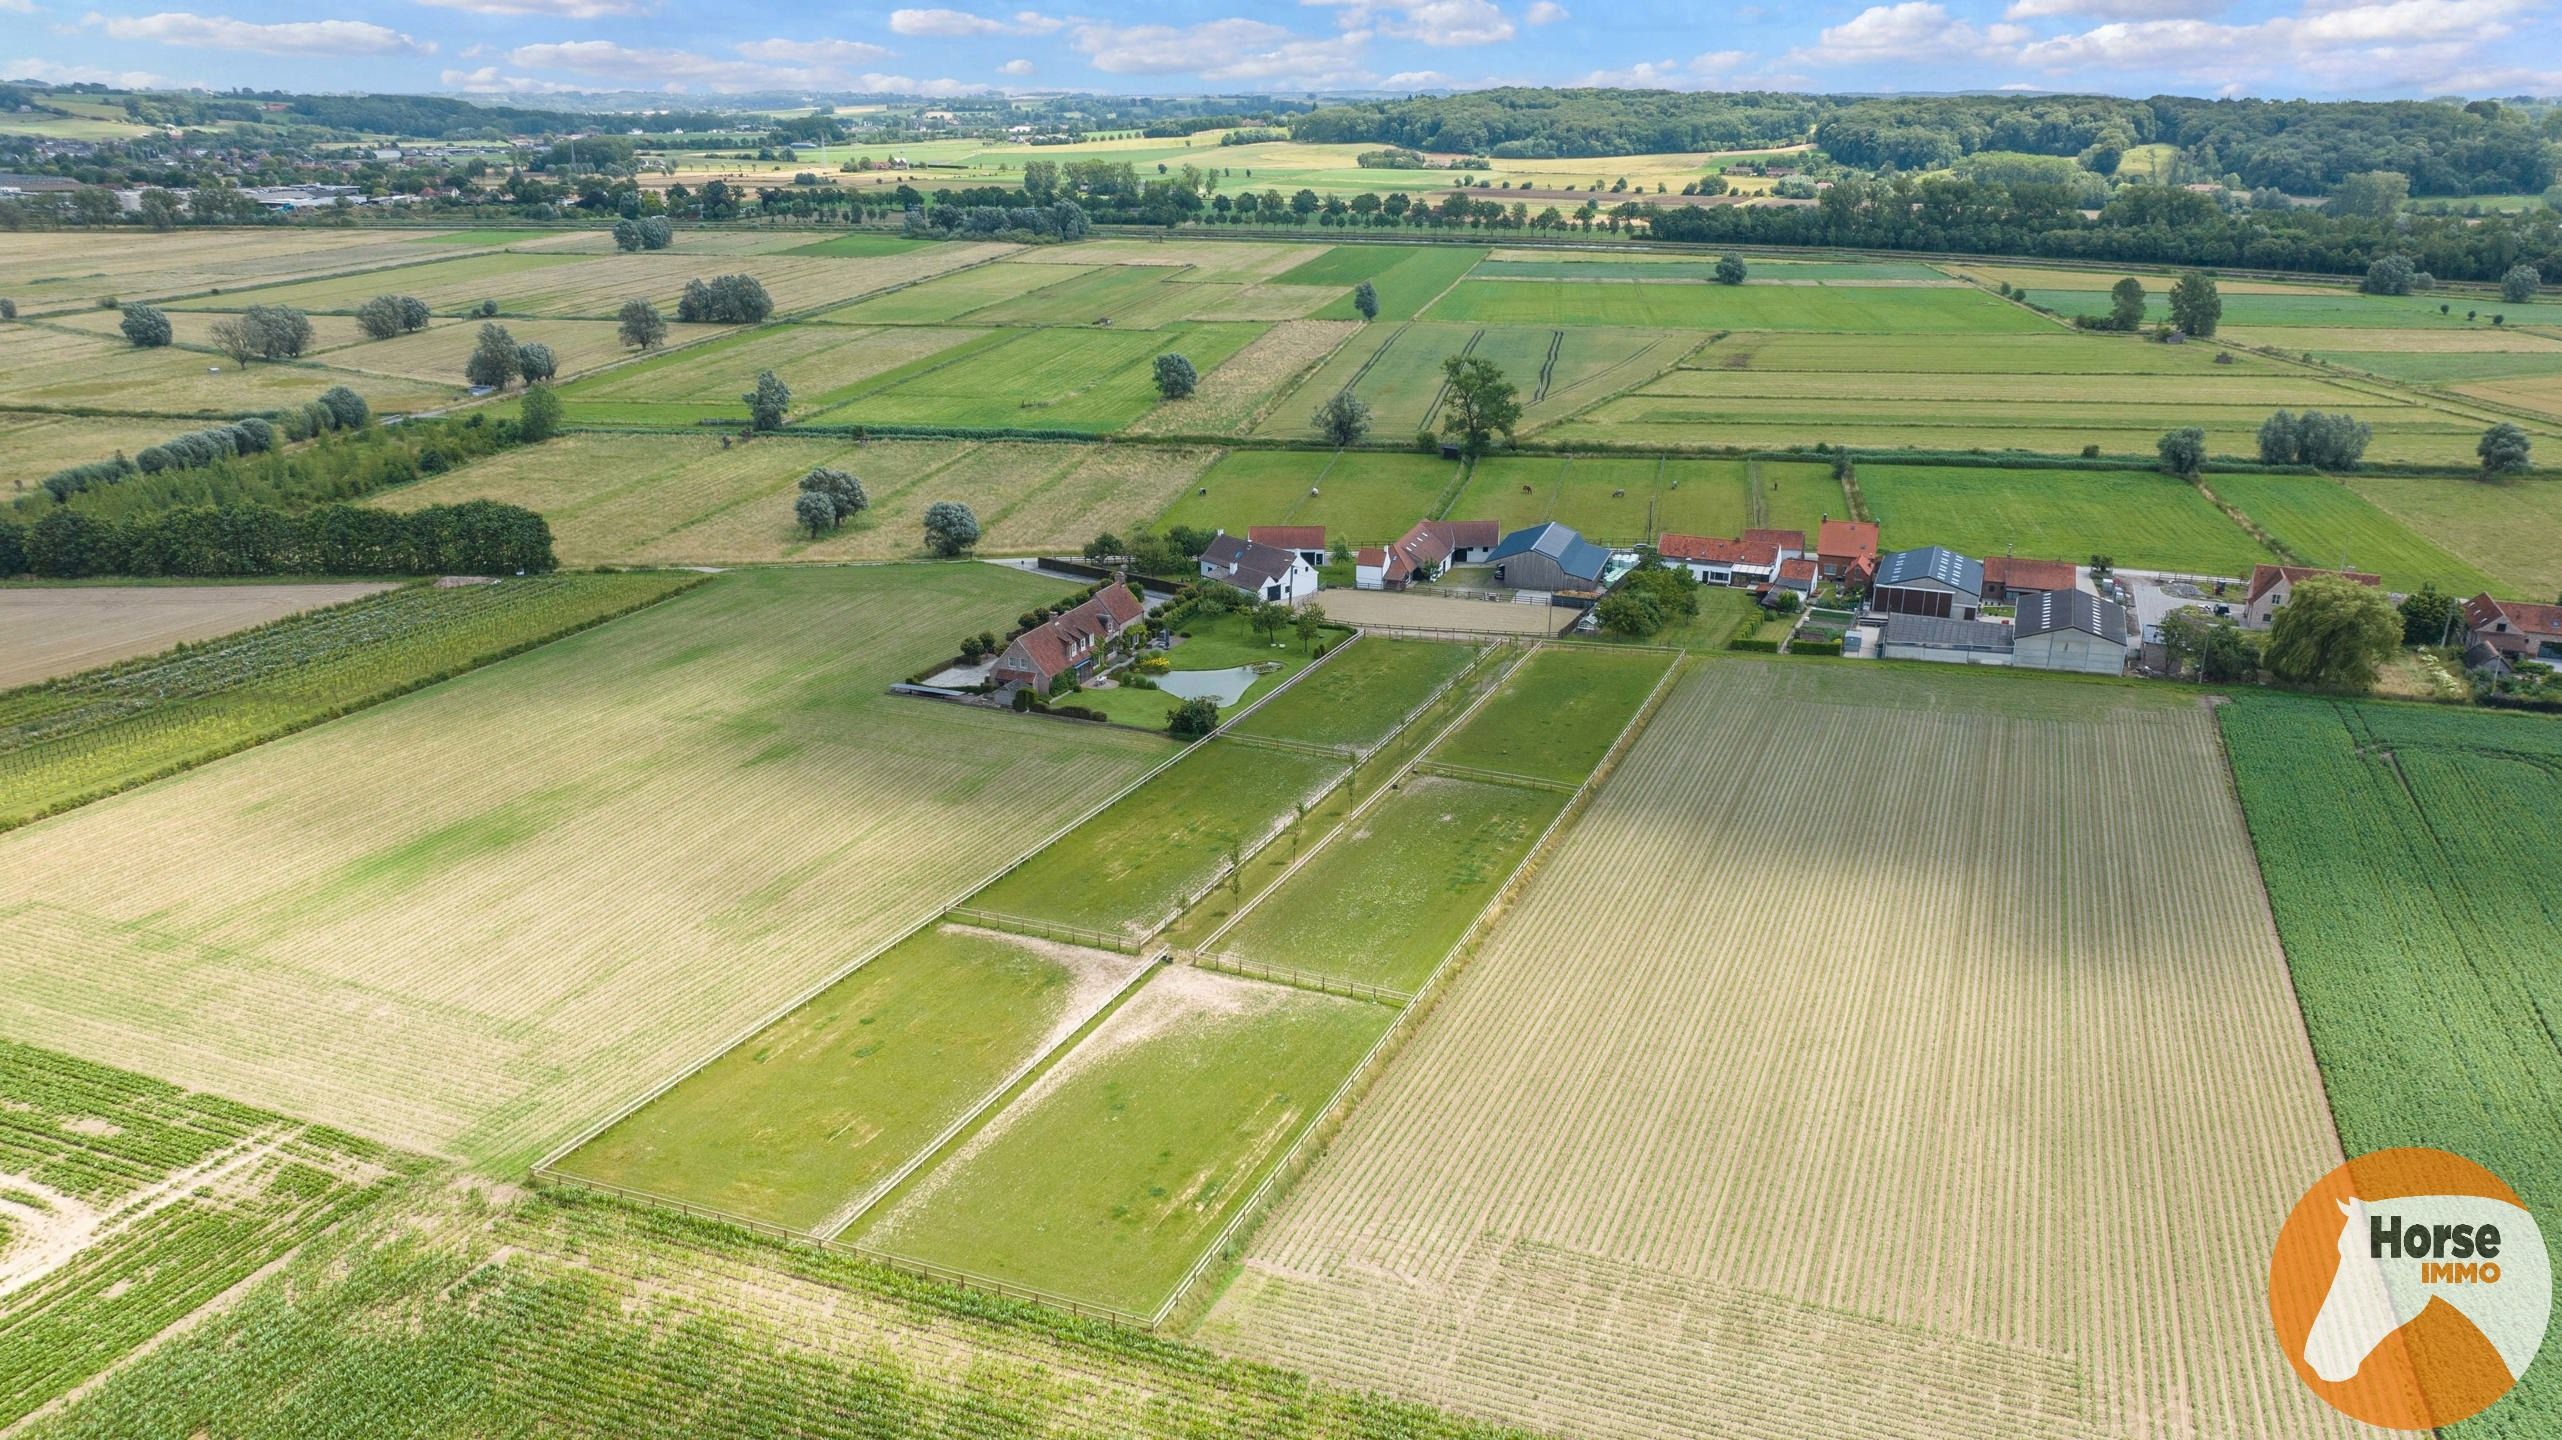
pixel 2323 48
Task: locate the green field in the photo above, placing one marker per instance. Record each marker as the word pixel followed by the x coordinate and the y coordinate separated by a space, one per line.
pixel 75 738
pixel 2503 527
pixel 2325 522
pixel 1886 310
pixel 1053 379
pixel 945 298
pixel 810 1114
pixel 2142 518
pixel 2324 308
pixel 824 364
pixel 1132 867
pixel 442 283
pixel 864 246
pixel 2404 850
pixel 1361 497
pixel 1556 715
pixel 1360 694
pixel 1666 267
pixel 1406 284
pixel 1384 902
pixel 1629 500
pixel 1145 1139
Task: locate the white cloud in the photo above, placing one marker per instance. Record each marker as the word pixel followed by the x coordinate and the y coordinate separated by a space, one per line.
pixel 1698 70
pixel 1909 31
pixel 488 81
pixel 1418 80
pixel 1015 67
pixel 297 37
pixel 54 73
pixel 1546 12
pixel 19 7
pixel 2348 46
pixel 553 9
pixel 762 65
pixel 1441 23
pixel 1223 50
pixel 2113 9
pixel 812 52
pixel 954 24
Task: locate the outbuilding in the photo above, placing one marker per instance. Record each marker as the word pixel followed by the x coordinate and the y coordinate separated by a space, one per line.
pixel 1951 642
pixel 2070 630
pixel 1931 581
pixel 1549 557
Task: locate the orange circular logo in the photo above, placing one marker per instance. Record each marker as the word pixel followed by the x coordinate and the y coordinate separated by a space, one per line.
pixel 2410 1288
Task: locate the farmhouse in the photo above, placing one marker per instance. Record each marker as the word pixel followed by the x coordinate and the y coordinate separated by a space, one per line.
pixel 1307 540
pixel 1262 571
pixel 1846 550
pixel 1423 552
pixel 1722 562
pixel 2514 628
pixel 2009 580
pixel 1797 575
pixel 1954 642
pixel 2272 585
pixel 1791 543
pixel 2070 630
pixel 1069 643
pixel 1930 581
pixel 1549 557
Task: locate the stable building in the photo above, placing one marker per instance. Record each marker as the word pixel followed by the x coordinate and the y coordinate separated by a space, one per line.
pixel 1264 572
pixel 2070 630
pixel 1420 555
pixel 2009 580
pixel 1306 541
pixel 1932 581
pixel 1950 642
pixel 1549 557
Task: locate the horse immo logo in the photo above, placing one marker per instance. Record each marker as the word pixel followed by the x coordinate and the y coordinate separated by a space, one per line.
pixel 2410 1288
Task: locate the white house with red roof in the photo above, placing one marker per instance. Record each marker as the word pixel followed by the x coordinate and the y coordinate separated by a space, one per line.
pixel 1423 552
pixel 1712 561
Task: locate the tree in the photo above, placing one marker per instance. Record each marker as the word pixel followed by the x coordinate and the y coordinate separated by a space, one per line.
pixel 2183 451
pixel 2391 275
pixel 539 420
pixel 414 315
pixel 950 528
pixel 845 495
pixel 158 208
pixel 380 317
pixel 2333 633
pixel 769 402
pixel 656 232
pixel 2220 649
pixel 1175 377
pixel 1309 622
pixel 1481 403
pixel 724 300
pixel 1730 270
pixel 237 338
pixel 535 361
pixel 815 511
pixel 2370 195
pixel 627 234
pixel 1193 719
pixel 2126 304
pixel 2278 440
pixel 2505 449
pixel 1343 419
pixel 2196 306
pixel 283 332
pixel 347 410
pixel 2428 617
pixel 146 327
pixel 8 309
pixel 1365 299
pixel 1268 619
pixel 2519 285
pixel 642 328
pixel 1632 613
pixel 495 359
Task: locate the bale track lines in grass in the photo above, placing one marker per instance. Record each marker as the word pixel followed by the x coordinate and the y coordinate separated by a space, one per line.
pixel 838 247
pixel 1133 297
pixel 2143 518
pixel 2470 340
pixel 1131 868
pixel 2325 522
pixel 2340 309
pixel 436 355
pixel 945 298
pixel 1557 714
pixel 60 269
pixel 1360 694
pixel 1418 276
pixel 1676 268
pixel 2399 844
pixel 59 631
pixel 448 285
pixel 77 737
pixel 590 864
pixel 1889 311
pixel 810 1114
pixel 1968 1070
pixel 1361 497
pixel 1146 1137
pixel 195 328
pixel 2504 527
pixel 1196 262
pixel 2541 393
pixel 2045 354
pixel 822 363
pixel 2449 367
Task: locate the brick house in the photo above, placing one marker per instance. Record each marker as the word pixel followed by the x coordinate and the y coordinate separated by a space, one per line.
pixel 1069 643
pixel 2273 585
pixel 2515 628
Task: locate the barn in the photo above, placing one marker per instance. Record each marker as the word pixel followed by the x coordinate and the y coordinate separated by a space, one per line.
pixel 1931 581
pixel 1549 557
pixel 2070 630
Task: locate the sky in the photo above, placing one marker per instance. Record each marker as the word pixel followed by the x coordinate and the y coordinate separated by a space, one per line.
pixel 2349 49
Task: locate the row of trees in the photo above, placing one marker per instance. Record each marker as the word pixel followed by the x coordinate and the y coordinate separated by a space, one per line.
pixel 498 360
pixel 2333 442
pixel 475 537
pixel 337 408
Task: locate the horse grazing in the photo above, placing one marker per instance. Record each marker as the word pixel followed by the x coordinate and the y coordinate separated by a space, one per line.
pixel 2372 1296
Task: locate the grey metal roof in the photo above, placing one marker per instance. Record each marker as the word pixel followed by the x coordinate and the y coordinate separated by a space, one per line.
pixel 2046 611
pixel 1931 562
pixel 1574 554
pixel 1939 634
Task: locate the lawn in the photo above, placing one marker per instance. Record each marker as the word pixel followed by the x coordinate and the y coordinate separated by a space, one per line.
pixel 1357 697
pixel 1212 642
pixel 1725 611
pixel 1406 286
pixel 1131 868
pixel 2145 519
pixel 1145 1139
pixel 1361 497
pixel 808 1116
pixel 2504 527
pixel 1556 715
pixel 1880 309
pixel 1382 903
pixel 2325 522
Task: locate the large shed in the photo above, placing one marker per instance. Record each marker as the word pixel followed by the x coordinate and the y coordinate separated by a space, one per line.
pixel 1932 581
pixel 2070 630
pixel 1549 557
pixel 1954 642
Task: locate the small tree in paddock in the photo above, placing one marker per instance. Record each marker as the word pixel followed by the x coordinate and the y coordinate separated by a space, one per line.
pixel 1730 270
pixel 2504 449
pixel 2519 285
pixel 1175 377
pixel 539 420
pixel 1365 300
pixel 2183 451
pixel 845 495
pixel 2196 306
pixel 146 327
pixel 1343 419
pixel 495 360
pixel 641 326
pixel 536 362
pixel 815 511
pixel 1193 718
pixel 951 528
pixel 1481 403
pixel 769 402
pixel 2126 304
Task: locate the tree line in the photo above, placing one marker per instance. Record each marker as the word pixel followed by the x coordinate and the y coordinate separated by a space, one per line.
pixel 476 537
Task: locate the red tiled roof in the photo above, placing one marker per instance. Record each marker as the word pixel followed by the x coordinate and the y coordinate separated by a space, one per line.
pixel 1800 568
pixel 1055 645
pixel 2264 578
pixel 1288 537
pixel 1712 551
pixel 1847 539
pixel 2011 573
pixel 1784 539
pixel 2482 612
pixel 1370 555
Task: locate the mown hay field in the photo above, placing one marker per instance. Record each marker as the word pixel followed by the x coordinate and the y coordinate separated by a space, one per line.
pixel 821 363
pixel 49 369
pixel 1251 383
pixel 2325 521
pixel 1964 1072
pixel 1633 500
pixel 2504 527
pixel 2142 518
pixel 1407 277
pixel 592 864
pixel 1882 310
pixel 437 354
pixel 2333 309
pixel 1360 694
pixel 1556 715
pixel 1396 371
pixel 58 631
pixel 56 270
pixel 685 499
pixel 1094 381
pixel 34 444
pixel 1361 497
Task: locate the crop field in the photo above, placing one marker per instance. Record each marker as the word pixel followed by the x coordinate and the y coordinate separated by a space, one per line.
pixel 1145 1138
pixel 591 863
pixel 2142 518
pixel 807 1118
pixel 49 369
pixel 1532 1216
pixel 2397 845
pixel 1361 497
pixel 709 381
pixel 1056 379
pixel 59 631
pixel 945 298
pixel 2328 523
pixel 1360 694
pixel 2503 527
pixel 126 1204
pixel 678 499
pixel 1884 310
pixel 1556 715
pixel 79 736
pixel 54 270
pixel 1133 867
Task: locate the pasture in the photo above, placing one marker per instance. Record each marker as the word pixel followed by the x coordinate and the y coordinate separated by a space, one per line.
pixel 2502 527
pixel 1408 278
pixel 1040 379
pixel 1356 700
pixel 57 632
pixel 35 444
pixel 2142 518
pixel 1630 500
pixel 51 271
pixel 42 369
pixel 1882 310
pixel 822 363
pixel 2326 522
pixel 1555 716
pixel 1361 497
pixel 1396 371
pixel 1531 1217
pixel 593 862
